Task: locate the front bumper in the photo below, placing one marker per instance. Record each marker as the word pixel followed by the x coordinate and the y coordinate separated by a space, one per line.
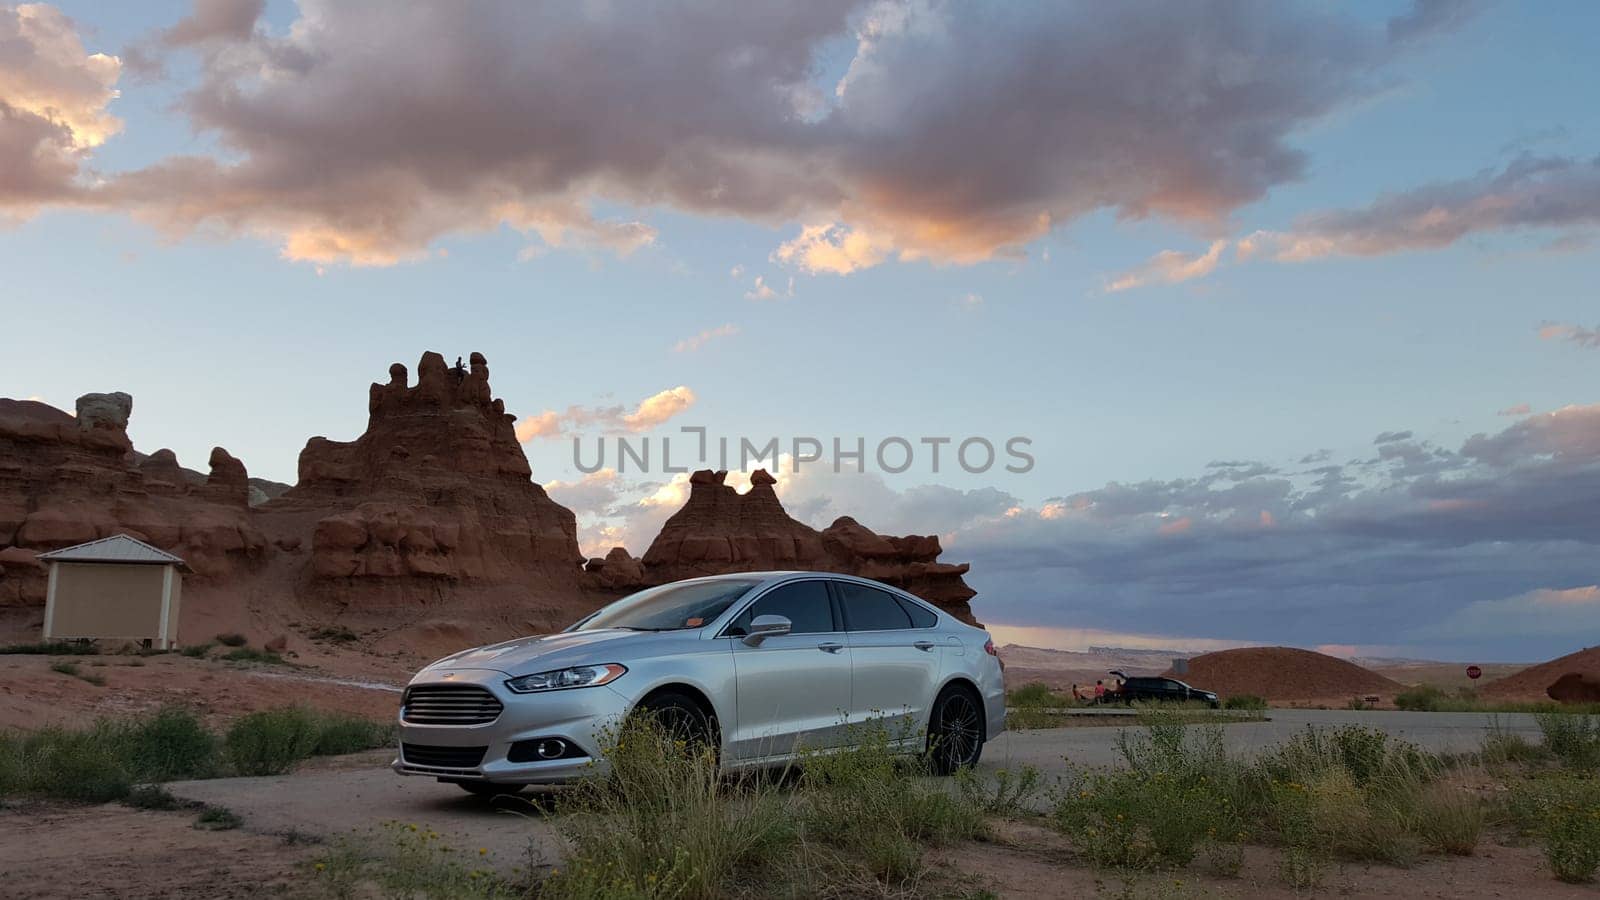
pixel 582 717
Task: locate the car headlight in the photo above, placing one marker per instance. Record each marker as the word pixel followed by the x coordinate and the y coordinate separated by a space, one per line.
pixel 561 679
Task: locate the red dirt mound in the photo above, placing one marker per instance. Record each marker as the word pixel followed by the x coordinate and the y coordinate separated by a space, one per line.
pixel 1284 673
pixel 1532 682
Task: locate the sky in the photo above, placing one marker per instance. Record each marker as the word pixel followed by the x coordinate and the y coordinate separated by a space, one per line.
pixel 1292 307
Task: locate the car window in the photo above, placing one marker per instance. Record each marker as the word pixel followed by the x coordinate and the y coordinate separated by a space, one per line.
pixel 804 603
pixel 671 606
pixel 1171 685
pixel 869 609
pixel 920 616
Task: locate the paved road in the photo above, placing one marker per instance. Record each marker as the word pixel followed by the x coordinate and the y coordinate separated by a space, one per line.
pixel 332 803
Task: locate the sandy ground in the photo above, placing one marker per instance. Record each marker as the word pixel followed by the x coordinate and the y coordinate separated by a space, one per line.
pixel 32 696
pixel 54 851
pixel 110 851
pixel 1029 861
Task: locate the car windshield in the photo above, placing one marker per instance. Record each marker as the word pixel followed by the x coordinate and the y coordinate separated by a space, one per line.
pixel 670 607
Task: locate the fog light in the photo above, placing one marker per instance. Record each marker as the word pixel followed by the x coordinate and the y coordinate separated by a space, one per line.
pixel 551 749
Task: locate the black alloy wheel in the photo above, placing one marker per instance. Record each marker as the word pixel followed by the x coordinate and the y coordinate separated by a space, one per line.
pixel 955 731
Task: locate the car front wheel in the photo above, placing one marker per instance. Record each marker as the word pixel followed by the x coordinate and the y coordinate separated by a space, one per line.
pixel 955 730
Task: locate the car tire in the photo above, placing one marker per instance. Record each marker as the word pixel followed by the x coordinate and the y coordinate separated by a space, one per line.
pixel 955 730
pixel 490 789
pixel 680 716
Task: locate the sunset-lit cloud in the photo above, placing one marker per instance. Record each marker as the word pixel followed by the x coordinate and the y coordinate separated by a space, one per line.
pixel 1531 192
pixel 347 141
pixel 1576 334
pixel 54 99
pixel 1169 267
pixel 695 342
pixel 651 412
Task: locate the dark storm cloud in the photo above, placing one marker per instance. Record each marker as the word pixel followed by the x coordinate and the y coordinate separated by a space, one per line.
pixel 1422 550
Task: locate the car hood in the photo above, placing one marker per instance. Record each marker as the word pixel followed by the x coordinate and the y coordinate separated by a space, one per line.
pixel 542 653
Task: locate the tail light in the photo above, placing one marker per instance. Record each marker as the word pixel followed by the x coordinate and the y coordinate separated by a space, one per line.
pixel 988 647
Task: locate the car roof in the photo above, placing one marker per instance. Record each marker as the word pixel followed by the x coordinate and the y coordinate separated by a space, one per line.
pixel 766 578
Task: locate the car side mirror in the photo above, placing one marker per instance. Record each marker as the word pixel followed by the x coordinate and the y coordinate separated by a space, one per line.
pixel 763 627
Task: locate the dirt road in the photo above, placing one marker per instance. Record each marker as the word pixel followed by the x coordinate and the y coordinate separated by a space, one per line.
pixel 363 793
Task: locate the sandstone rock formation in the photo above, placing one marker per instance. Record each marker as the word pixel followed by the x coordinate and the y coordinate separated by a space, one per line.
pixel 435 493
pixel 720 530
pixel 67 479
pixel 1575 687
pixel 426 530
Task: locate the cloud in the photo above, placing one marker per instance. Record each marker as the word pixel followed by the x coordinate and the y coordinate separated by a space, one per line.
pixel 652 411
pixel 691 344
pixel 760 290
pixel 658 408
pixel 1429 17
pixel 833 249
pixel 1543 613
pixel 54 97
pixel 1583 337
pixel 1169 267
pixel 957 133
pixel 593 493
pixel 1519 409
pixel 1389 437
pixel 213 20
pixel 1530 192
pixel 1330 555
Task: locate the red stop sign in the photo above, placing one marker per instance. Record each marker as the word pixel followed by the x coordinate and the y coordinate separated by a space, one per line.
pixel 1473 671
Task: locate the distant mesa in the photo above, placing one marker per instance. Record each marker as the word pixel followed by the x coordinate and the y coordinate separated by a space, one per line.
pixel 426 529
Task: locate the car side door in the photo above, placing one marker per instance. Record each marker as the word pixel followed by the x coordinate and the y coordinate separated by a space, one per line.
pixel 894 662
pixel 792 690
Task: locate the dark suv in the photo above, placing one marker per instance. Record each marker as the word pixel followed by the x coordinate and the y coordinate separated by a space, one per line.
pixel 1159 689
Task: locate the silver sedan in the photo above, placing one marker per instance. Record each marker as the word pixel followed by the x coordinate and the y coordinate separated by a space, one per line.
pixel 764 665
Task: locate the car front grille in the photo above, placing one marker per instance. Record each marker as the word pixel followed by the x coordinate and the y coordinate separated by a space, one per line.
pixel 442 757
pixel 449 704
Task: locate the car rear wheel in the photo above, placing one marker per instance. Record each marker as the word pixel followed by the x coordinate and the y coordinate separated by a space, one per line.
pixel 955 730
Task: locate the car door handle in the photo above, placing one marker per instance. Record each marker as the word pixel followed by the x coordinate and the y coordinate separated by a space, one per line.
pixel 830 647
pixel 924 645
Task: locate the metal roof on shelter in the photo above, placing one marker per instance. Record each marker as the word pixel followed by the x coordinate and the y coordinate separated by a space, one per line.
pixel 119 548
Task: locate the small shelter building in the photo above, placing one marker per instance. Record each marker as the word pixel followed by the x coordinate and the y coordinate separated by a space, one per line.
pixel 116 588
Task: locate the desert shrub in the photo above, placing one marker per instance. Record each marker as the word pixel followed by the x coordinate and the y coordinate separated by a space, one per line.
pixel 152 796
pixel 1561 810
pixel 270 742
pixel 65 668
pixel 1422 698
pixel 660 824
pixel 232 639
pixel 337 635
pixel 196 651
pixel 1364 753
pixel 1021 718
pixel 1008 795
pixel 251 654
pixel 1573 739
pixel 866 800
pixel 1502 746
pixel 67 765
pixel 1177 792
pixel 338 734
pixel 1035 693
pixel 1245 701
pixel 217 818
pixel 170 745
pixel 1572 841
pixel 415 863
pixel 1449 818
pixel 51 648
